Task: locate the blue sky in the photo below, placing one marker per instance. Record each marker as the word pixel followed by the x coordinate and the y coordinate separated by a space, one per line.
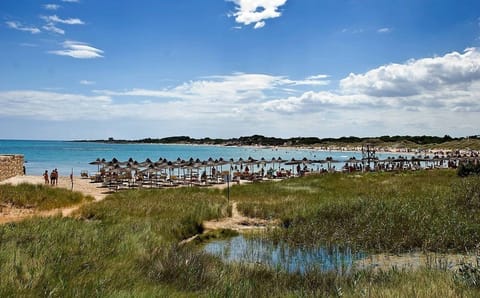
pixel 91 69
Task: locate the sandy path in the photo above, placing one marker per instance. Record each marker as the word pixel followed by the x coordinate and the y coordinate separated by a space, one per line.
pixel 236 222
pixel 239 222
pixel 12 214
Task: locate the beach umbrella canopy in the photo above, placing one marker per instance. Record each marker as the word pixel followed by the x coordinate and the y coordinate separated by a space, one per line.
pixel 306 160
pixel 97 162
pixel 293 162
pixel 146 163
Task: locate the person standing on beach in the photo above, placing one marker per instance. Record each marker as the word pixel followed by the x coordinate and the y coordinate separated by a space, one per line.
pixel 52 177
pixel 45 176
pixel 56 176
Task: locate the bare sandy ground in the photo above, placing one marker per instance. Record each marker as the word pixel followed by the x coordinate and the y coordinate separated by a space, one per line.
pixel 239 222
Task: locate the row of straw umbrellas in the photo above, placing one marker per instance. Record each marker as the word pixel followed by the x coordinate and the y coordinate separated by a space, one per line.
pixel 149 167
pixel 153 170
pixel 163 163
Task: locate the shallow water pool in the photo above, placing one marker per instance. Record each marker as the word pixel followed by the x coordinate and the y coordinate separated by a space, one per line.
pixel 282 256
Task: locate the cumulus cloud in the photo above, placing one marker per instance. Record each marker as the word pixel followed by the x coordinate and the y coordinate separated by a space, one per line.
pixel 449 83
pixel 56 19
pixel 20 27
pixel 79 50
pixel 256 11
pixel 445 90
pixel 415 77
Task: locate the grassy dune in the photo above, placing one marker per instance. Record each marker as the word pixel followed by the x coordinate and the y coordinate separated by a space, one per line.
pixel 127 245
pixel 39 196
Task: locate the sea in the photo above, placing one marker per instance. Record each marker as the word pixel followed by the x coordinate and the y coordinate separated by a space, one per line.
pixel 69 156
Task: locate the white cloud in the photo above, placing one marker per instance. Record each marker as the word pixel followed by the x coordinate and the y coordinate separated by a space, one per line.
pixel 316 80
pixel 52 28
pixel 384 30
pixel 51 6
pixel 415 77
pixel 446 84
pixel 238 87
pixel 87 82
pixel 71 1
pixel 447 89
pixel 256 11
pixel 19 26
pixel 78 50
pixel 52 105
pixel 56 19
pixel 353 30
pixel 259 25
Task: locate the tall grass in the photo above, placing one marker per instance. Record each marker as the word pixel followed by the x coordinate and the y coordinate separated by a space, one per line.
pixel 127 245
pixel 100 253
pixel 377 211
pixel 39 196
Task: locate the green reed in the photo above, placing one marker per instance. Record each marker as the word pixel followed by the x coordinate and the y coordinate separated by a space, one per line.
pixel 377 211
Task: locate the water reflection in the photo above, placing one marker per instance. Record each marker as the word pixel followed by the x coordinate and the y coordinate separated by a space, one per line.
pixel 282 256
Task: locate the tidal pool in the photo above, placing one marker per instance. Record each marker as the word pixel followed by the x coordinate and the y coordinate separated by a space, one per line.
pixel 282 256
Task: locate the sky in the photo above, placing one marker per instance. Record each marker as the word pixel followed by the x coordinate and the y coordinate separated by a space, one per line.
pixel 90 69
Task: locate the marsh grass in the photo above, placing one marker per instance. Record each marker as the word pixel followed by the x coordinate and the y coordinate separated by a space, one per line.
pixel 426 210
pixel 127 245
pixel 39 196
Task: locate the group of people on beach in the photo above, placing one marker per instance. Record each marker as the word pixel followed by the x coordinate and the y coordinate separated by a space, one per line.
pixel 53 177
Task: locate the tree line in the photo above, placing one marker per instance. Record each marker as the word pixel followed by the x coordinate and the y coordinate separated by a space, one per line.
pixel 293 141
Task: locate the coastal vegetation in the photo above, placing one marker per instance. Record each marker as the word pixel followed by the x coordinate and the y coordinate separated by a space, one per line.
pixel 39 196
pixel 411 142
pixel 129 244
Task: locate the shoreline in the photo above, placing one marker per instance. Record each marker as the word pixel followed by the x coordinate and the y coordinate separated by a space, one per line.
pixel 319 148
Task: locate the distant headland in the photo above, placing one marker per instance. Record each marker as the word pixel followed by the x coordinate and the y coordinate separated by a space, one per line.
pixel 409 142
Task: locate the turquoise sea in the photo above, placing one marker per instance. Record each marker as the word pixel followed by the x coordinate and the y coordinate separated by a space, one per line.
pixel 66 155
